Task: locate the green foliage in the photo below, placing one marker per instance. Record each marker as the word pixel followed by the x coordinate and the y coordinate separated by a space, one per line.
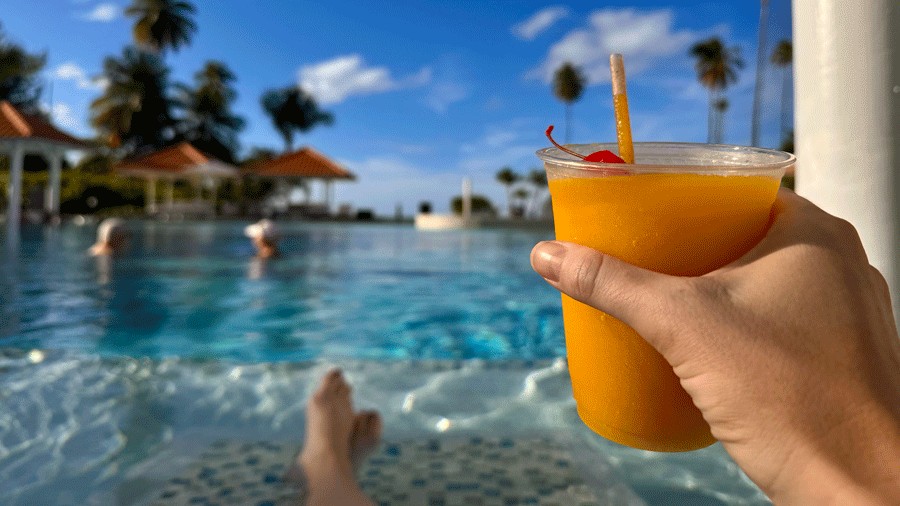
pixel 568 83
pixel 135 110
pixel 162 24
pixel 208 122
pixel 716 65
pixel 78 189
pixel 19 72
pixel 538 178
pixel 507 176
pixel 787 144
pixel 293 109
pixel 480 205
pixel 783 54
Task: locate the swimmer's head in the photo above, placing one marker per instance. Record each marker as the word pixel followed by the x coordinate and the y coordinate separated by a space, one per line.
pixel 112 234
pixel 263 229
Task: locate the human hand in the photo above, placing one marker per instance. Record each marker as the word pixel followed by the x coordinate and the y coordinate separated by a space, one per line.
pixel 791 352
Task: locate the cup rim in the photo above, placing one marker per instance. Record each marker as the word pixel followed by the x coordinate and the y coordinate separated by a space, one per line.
pixel 559 158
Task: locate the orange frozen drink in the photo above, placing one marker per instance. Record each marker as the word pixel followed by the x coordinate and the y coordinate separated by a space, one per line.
pixel 681 209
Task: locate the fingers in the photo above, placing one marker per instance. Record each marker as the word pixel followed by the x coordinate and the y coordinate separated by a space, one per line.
pixel 641 298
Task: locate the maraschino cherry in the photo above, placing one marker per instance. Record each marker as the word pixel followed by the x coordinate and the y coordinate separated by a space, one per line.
pixel 604 156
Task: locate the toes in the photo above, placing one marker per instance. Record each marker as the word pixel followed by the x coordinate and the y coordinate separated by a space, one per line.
pixel 369 424
pixel 332 384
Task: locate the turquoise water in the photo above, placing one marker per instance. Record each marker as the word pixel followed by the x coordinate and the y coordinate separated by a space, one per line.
pixel 339 291
pixel 116 373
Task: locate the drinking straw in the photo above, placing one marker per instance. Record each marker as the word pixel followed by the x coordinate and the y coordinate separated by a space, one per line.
pixel 620 103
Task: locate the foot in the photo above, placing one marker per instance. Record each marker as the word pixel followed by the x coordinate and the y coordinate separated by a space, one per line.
pixel 337 440
pixel 365 436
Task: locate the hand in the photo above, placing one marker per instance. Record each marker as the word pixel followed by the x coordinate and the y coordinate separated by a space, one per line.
pixel 791 353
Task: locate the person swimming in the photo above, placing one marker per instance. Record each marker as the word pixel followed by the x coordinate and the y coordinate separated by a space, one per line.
pixel 112 237
pixel 265 236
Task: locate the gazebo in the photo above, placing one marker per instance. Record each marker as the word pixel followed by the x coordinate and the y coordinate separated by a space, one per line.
pixel 28 133
pixel 178 162
pixel 305 164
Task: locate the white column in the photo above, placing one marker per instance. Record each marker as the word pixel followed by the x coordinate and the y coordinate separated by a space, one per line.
pixel 170 195
pixel 467 199
pixel 14 191
pixel 328 195
pixel 847 94
pixel 150 204
pixel 51 200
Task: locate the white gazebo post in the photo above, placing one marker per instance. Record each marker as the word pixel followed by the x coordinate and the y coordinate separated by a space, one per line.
pixel 170 195
pixel 847 94
pixel 328 196
pixel 14 192
pixel 51 200
pixel 150 204
pixel 467 199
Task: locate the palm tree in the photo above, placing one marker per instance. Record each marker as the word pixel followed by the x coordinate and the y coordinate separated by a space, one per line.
pixel 760 71
pixel 134 112
pixel 208 121
pixel 538 179
pixel 507 177
pixel 783 57
pixel 162 24
pixel 291 109
pixel 568 85
pixel 716 69
pixel 720 106
pixel 521 196
pixel 18 70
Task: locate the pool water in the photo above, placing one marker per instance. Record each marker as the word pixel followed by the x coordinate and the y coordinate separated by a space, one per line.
pixel 347 291
pixel 116 373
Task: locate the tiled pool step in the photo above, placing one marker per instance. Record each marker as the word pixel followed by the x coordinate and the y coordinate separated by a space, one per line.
pixel 432 472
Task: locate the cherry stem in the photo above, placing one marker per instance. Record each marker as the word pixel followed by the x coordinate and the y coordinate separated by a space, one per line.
pixel 562 148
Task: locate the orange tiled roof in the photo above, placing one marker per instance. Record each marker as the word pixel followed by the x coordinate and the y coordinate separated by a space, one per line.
pixel 306 162
pixel 174 159
pixel 16 125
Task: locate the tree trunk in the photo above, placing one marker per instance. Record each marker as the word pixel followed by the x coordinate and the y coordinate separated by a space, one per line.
pixel 785 97
pixel 760 71
pixel 710 117
pixel 568 123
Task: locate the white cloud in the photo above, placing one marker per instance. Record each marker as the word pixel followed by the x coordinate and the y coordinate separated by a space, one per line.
pixel 103 13
pixel 71 71
pixel 645 38
pixel 335 80
pixel 539 22
pixel 498 146
pixel 63 116
pixel 443 94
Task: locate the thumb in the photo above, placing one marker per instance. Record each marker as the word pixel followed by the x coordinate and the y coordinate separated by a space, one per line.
pixel 641 298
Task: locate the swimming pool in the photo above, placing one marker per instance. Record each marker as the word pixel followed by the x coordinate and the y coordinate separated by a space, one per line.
pixel 117 371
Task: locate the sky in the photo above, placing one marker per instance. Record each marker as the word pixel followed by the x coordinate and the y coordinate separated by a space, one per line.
pixel 425 93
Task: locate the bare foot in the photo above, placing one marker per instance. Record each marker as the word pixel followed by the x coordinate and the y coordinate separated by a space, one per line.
pixel 365 436
pixel 336 441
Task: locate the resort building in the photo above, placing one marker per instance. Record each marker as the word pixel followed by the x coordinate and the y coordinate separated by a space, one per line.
pixel 23 134
pixel 303 169
pixel 181 162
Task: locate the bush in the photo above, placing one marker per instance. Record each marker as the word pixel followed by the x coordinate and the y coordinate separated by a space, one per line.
pixel 480 205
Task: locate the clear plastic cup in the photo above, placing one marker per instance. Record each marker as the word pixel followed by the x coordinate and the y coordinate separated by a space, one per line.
pixel 680 209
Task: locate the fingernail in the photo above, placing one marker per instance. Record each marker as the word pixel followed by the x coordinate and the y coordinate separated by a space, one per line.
pixel 546 259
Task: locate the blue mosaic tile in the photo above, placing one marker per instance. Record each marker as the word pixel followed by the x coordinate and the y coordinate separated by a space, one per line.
pixel 471 471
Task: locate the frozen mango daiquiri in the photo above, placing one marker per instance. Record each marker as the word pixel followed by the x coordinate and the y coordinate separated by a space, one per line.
pixel 680 209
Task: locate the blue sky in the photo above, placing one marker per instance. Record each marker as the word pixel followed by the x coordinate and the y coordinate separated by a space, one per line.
pixel 427 92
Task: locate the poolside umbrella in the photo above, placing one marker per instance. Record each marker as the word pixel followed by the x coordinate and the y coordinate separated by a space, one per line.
pixel 22 133
pixel 178 162
pixel 304 165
